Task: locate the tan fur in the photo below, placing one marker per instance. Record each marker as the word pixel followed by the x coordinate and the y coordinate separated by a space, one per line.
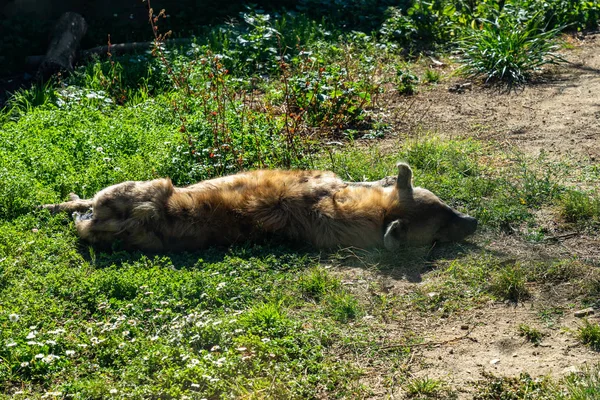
pixel 314 207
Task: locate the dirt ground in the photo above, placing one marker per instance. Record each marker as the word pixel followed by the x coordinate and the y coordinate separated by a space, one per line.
pixel 558 115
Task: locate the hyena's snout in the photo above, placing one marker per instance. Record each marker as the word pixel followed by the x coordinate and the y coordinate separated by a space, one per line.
pixel 460 227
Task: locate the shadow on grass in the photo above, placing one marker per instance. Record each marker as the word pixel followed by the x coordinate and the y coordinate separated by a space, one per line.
pixel 407 264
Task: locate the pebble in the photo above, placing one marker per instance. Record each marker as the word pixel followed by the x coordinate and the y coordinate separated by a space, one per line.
pixel 584 312
pixel 464 327
pixel 495 361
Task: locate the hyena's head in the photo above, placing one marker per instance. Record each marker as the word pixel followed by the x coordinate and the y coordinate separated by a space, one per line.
pixel 422 218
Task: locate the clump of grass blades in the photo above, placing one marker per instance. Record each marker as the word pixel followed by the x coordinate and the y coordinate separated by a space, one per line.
pixel 589 334
pixel 509 50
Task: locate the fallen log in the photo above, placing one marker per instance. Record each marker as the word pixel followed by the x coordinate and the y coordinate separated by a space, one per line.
pixel 62 51
pixel 32 62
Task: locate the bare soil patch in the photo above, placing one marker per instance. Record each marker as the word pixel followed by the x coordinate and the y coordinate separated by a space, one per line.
pixel 558 115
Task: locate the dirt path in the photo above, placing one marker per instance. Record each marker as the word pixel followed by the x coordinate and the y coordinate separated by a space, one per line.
pixel 559 115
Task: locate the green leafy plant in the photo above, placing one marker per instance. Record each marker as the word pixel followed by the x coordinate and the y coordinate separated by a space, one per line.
pixel 406 81
pixel 509 49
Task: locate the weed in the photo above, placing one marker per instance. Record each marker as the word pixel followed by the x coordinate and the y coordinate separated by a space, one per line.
pixel 317 282
pixel 523 387
pixel 509 283
pixel 531 334
pixel 589 334
pixel 509 49
pixel 425 388
pixel 578 206
pixel 343 307
pixel 406 81
pixel 432 76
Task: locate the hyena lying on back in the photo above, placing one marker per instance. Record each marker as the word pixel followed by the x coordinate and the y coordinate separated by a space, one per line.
pixel 313 207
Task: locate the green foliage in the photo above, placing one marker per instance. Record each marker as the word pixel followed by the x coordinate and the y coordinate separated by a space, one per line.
pixel 426 388
pixel 509 283
pixel 406 81
pixel 432 76
pixel 522 388
pixel 577 206
pixel 531 334
pixel 509 49
pixel 589 334
pixel 317 283
pixel 343 307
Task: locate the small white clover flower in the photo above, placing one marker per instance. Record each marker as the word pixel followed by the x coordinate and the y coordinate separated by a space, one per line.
pixel 11 344
pixel 215 348
pixel 39 356
pixel 31 335
pixel 25 364
pixel 113 391
pixel 265 340
pixel 14 317
pixel 70 353
pixel 51 342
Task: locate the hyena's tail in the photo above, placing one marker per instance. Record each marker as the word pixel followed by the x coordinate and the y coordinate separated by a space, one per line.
pixel 75 204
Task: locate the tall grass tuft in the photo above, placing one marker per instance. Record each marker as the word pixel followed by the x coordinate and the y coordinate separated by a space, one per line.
pixel 509 49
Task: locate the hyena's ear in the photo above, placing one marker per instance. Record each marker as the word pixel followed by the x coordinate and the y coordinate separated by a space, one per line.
pixel 404 181
pixel 395 235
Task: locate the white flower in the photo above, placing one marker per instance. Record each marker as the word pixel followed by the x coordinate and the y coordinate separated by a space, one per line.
pixel 14 317
pixel 215 348
pixel 70 353
pixel 31 335
pixel 11 344
pixel 195 385
pixel 25 364
pixel 221 285
pixel 113 391
pixel 51 342
pixel 265 340
pixel 39 356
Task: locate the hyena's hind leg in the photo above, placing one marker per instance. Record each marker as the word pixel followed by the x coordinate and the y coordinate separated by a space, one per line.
pixel 74 205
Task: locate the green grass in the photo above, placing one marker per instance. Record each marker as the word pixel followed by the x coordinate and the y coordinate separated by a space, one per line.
pixel 531 334
pixel 426 388
pixel 251 321
pixel 509 49
pixel 589 334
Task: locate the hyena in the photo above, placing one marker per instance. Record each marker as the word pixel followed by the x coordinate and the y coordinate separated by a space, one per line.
pixel 313 207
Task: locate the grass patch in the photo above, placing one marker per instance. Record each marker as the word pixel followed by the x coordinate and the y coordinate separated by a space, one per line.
pixel 343 307
pixel 317 283
pixel 589 334
pixel 509 49
pixel 531 334
pixel 427 388
pixel 509 283
pixel 580 207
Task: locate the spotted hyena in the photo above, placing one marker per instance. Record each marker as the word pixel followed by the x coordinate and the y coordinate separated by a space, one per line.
pixel 314 207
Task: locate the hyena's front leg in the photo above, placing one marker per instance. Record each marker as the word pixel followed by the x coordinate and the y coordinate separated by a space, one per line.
pixel 74 205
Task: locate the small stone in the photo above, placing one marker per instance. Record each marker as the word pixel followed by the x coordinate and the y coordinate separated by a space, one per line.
pixel 451 351
pixel 432 294
pixel 495 361
pixel 514 355
pixel 585 312
pixel 464 327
